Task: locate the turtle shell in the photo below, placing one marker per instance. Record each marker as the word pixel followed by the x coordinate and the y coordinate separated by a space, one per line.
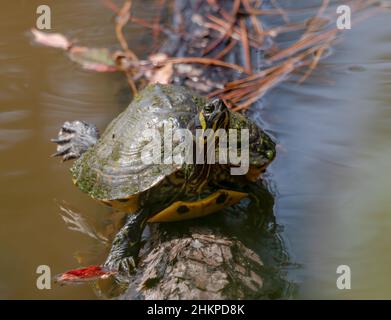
pixel 113 168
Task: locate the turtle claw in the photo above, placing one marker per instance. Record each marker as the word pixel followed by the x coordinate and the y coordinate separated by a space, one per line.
pixel 127 265
pixel 124 267
pixel 60 140
pixel 74 139
pixel 69 156
pixel 68 127
pixel 61 152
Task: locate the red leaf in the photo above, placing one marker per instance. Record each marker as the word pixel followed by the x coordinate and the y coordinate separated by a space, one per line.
pixel 84 274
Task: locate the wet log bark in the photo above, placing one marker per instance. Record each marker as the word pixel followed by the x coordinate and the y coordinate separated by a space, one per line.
pixel 202 261
pixel 201 264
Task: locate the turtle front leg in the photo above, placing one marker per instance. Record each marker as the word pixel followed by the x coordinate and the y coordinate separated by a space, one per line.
pixel 74 139
pixel 126 244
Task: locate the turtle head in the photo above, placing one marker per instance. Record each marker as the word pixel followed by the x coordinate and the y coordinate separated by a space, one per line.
pixel 262 150
pixel 213 115
pixel 261 147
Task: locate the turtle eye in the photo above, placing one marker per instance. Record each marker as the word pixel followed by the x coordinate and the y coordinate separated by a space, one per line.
pixel 209 108
pixel 213 105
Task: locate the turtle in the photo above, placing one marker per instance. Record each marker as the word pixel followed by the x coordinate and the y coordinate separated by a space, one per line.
pixel 113 168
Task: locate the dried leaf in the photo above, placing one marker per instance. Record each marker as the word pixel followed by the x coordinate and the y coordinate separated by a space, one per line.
pixel 55 40
pixel 96 59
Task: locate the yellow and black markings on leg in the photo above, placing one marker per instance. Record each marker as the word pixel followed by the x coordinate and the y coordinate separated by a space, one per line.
pixel 183 210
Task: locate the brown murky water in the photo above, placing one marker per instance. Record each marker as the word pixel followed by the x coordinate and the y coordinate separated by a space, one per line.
pixel 332 177
pixel 39 90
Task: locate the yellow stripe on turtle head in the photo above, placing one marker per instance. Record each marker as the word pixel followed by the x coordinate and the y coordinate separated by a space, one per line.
pixel 202 119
